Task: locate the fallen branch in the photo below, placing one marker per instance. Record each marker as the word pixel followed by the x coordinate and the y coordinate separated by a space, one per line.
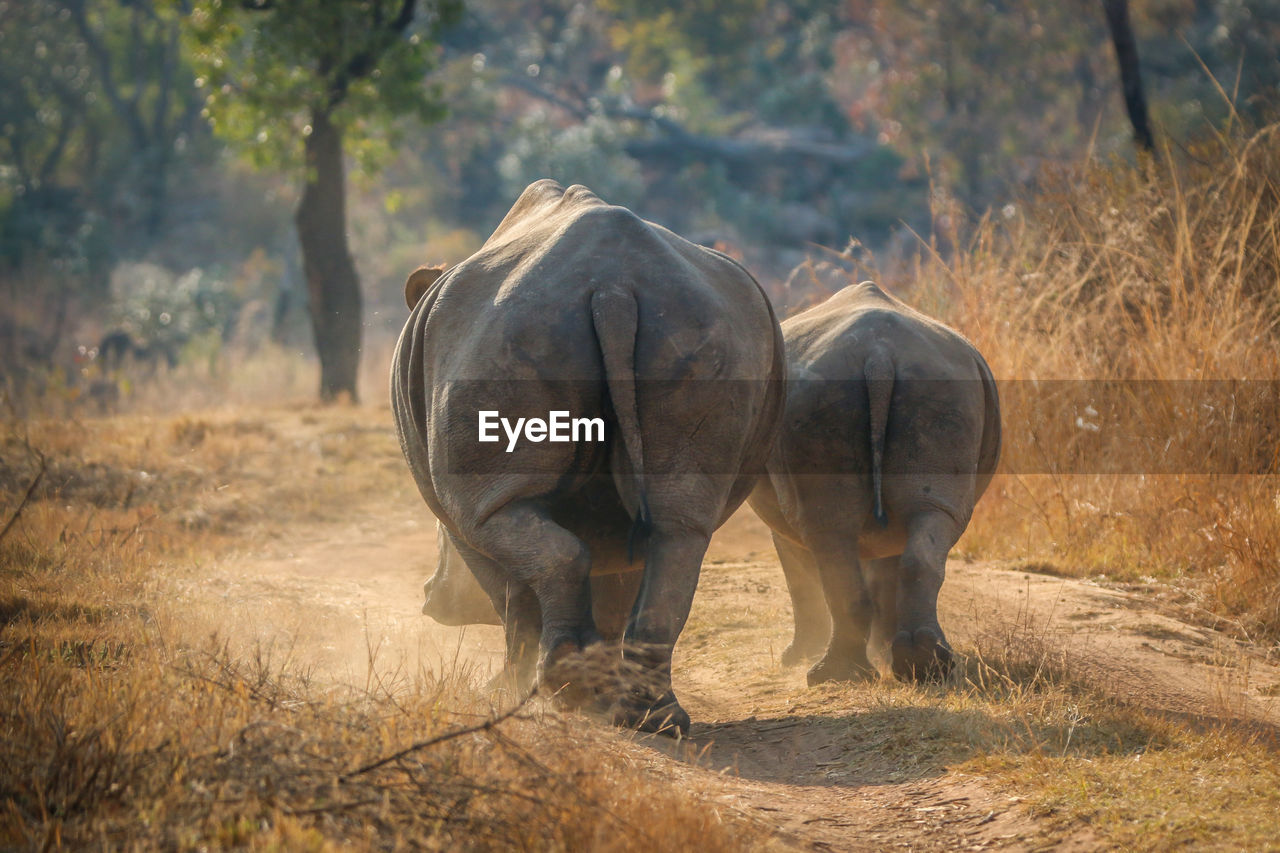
pixel 26 498
pixel 438 739
pixel 675 140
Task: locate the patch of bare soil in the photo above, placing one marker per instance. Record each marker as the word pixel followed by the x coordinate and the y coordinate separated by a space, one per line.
pixel 345 601
pixel 1124 642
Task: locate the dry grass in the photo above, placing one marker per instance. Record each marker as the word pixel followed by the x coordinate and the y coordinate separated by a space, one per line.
pixel 126 723
pixel 1118 308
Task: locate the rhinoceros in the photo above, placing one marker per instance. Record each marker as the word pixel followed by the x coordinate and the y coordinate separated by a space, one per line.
pixel 890 436
pixel 581 307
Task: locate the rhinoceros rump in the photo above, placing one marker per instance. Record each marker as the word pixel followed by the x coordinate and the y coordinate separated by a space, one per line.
pixel 579 306
pixel 891 434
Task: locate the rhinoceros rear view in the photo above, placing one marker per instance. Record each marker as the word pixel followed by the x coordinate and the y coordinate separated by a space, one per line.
pixel 891 434
pixel 576 306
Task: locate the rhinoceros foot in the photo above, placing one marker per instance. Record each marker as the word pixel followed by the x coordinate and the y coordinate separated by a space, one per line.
pixel 798 652
pixel 577 671
pixel 663 715
pixel 848 666
pixel 921 655
pixel 511 681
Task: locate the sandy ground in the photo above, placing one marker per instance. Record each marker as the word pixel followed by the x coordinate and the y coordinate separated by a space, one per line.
pixel 344 601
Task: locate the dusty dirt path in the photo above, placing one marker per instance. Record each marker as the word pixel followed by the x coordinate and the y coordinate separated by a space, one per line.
pixel 344 601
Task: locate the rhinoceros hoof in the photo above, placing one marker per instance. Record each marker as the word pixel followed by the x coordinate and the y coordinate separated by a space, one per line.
pixel 922 655
pixel 512 681
pixel 841 668
pixel 792 656
pixel 663 716
pixel 798 653
pixel 575 675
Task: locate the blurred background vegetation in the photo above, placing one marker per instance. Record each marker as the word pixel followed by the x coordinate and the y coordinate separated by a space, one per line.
pixel 154 153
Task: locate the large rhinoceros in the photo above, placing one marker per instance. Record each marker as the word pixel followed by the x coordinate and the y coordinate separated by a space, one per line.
pixel 577 306
pixel 891 434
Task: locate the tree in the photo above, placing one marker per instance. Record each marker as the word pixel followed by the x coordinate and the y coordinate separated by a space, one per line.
pixel 95 104
pixel 297 82
pixel 715 117
pixel 135 58
pixel 989 91
pixel 1126 47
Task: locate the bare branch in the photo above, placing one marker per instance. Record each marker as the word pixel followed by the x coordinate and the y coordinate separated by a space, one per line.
pixel 1126 47
pixel 363 63
pixel 54 155
pixel 438 739
pixel 676 140
pixel 404 18
pixel 522 82
pixel 26 498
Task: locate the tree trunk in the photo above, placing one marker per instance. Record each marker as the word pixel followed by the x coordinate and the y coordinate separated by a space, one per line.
pixel 1135 102
pixel 332 286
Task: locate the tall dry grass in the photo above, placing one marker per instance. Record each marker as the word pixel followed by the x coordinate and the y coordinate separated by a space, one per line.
pixel 1164 280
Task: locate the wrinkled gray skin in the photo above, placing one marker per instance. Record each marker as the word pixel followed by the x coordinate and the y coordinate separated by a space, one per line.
pixel 570 288
pixel 891 434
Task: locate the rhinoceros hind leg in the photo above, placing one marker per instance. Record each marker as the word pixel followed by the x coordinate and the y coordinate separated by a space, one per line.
pixel 920 651
pixel 673 561
pixel 849 602
pixel 573 673
pixel 808 605
pixel 550 567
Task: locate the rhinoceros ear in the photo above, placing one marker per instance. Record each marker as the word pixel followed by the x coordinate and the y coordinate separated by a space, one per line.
pixel 420 280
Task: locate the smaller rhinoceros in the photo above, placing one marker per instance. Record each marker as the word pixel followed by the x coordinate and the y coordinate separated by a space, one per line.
pixel 890 436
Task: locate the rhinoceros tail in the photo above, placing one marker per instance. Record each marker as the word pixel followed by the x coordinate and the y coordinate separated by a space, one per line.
pixel 878 371
pixel 989 455
pixel 617 317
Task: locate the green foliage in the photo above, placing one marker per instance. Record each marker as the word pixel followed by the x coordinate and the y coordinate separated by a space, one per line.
pixel 268 69
pixel 987 90
pixel 588 153
pixel 39 111
pixel 167 313
pixel 95 108
pixel 746 58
